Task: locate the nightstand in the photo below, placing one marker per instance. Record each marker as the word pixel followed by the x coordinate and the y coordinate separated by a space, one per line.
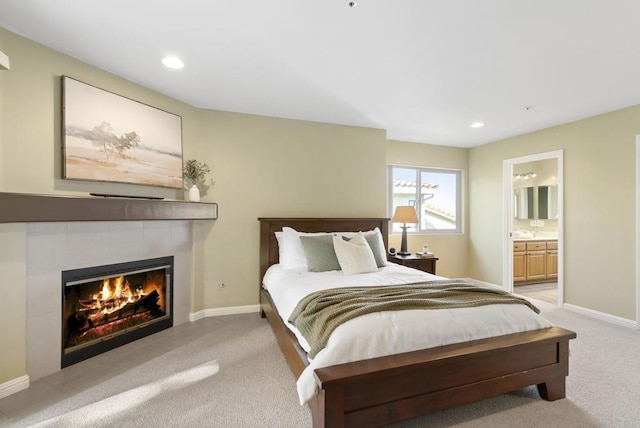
pixel 425 264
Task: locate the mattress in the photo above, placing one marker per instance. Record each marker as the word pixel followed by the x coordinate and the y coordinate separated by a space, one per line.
pixel 386 333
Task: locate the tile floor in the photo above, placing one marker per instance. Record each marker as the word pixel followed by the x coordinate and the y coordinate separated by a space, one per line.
pixel 547 292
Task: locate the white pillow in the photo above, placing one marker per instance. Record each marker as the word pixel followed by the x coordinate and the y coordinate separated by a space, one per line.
pixel 279 239
pixel 355 256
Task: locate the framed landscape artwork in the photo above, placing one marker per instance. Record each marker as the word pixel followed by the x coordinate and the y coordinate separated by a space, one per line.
pixel 107 137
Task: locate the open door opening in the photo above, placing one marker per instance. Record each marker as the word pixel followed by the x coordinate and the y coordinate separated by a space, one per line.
pixel 533 232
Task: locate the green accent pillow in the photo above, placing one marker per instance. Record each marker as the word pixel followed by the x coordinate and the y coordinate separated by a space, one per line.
pixel 375 245
pixel 378 252
pixel 320 254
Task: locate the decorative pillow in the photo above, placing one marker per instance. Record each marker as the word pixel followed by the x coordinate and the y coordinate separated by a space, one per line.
pixel 290 249
pixel 319 252
pixel 354 256
pixel 291 252
pixel 375 241
pixel 280 240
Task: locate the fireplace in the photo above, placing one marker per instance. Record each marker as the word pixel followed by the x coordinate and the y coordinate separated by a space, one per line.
pixel 104 307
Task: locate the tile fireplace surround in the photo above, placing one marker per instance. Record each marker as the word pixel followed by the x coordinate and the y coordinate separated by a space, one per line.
pixel 61 233
pixel 54 247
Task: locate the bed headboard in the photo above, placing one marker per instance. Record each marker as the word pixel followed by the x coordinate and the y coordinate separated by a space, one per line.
pixel 269 226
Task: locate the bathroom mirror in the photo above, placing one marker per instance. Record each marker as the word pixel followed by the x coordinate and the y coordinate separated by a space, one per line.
pixel 547 202
pixel 523 203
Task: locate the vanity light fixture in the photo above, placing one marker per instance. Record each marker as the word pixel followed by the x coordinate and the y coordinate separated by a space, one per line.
pixel 477 125
pixel 525 176
pixel 173 62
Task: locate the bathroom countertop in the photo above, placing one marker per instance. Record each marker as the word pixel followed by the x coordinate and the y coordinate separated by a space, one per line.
pixel 538 238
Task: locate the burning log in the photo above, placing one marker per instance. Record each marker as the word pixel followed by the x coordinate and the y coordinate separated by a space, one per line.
pixel 80 322
pixel 148 302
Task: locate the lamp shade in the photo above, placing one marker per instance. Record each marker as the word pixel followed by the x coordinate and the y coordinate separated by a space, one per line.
pixel 405 214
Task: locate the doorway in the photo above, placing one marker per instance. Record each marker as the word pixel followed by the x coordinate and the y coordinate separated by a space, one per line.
pixel 533 188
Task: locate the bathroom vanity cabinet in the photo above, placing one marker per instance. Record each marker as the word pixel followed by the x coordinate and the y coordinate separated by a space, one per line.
pixel 552 260
pixel 519 261
pixel 535 261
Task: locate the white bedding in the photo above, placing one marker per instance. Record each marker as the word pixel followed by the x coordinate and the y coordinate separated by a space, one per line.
pixel 392 332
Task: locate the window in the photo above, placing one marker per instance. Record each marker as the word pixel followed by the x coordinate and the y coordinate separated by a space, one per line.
pixel 435 193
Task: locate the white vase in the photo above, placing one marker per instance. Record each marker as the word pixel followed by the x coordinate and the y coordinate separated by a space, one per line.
pixel 194 194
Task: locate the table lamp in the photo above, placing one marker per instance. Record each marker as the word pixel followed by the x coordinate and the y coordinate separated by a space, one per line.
pixel 404 214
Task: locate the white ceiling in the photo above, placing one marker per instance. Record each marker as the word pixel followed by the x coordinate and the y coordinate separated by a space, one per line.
pixel 423 70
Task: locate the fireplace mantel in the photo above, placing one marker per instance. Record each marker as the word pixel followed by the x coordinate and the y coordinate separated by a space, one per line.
pixel 28 208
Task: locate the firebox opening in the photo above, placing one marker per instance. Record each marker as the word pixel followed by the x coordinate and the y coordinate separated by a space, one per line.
pixel 104 307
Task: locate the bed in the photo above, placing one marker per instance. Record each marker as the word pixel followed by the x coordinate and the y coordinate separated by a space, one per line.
pixel 379 391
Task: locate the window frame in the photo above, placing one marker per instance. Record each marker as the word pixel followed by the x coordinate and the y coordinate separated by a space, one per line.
pixel 419 170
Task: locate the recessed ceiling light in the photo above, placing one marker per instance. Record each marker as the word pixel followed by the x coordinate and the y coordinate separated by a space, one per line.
pixel 173 62
pixel 477 125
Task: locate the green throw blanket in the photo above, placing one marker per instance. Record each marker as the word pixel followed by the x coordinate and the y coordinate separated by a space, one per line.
pixel 318 314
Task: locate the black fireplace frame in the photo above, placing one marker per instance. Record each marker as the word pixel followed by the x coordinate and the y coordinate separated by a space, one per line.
pixel 130 335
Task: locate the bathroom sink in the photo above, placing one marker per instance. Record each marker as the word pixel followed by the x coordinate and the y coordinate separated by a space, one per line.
pixel 522 234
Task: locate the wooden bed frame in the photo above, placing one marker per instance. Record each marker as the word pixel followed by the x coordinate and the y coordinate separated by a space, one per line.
pixel 384 390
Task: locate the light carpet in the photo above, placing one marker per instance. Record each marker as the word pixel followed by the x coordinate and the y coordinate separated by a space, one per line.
pixel 236 376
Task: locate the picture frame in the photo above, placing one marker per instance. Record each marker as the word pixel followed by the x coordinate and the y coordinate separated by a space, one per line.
pixel 108 137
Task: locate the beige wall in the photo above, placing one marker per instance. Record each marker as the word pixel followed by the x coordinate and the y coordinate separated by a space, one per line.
pixel 262 167
pixel 599 208
pixel 451 249
pixel 269 167
pixel 3 75
pixel 31 119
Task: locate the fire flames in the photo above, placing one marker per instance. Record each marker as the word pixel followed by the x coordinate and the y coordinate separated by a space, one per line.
pixel 109 299
pixel 115 294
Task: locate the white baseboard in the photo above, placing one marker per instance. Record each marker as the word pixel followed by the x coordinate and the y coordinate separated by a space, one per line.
pixel 216 312
pixel 13 386
pixel 601 316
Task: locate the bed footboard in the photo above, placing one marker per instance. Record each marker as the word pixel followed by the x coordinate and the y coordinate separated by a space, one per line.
pixel 384 390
